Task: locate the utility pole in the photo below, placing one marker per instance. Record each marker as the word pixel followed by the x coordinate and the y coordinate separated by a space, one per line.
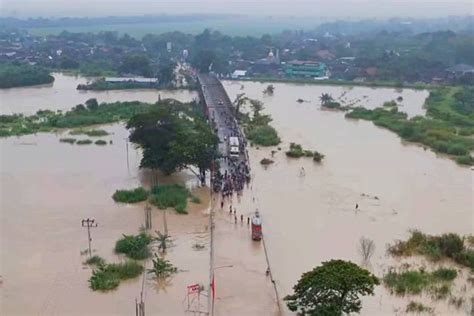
pixel 126 146
pixel 89 223
pixel 147 217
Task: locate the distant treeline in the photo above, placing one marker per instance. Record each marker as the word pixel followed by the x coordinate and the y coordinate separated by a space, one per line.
pixel 9 22
pixel 20 75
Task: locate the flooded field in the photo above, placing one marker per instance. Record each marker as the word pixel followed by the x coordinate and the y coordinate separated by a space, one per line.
pixel 63 95
pixel 48 187
pixel 311 219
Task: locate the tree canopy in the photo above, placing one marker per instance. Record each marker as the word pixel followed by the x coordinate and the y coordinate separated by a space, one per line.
pixel 332 289
pixel 19 75
pixel 173 138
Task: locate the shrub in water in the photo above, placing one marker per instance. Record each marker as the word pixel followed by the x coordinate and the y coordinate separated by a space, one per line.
pixel 101 142
pixel 134 247
pixel 84 142
pixel 170 195
pixel 67 140
pixel 107 277
pixel 130 196
pixel 95 260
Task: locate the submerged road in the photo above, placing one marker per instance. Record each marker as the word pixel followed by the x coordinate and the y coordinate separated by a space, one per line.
pixel 243 287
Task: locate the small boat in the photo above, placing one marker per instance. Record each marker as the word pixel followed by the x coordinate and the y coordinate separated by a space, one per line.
pixel 256 227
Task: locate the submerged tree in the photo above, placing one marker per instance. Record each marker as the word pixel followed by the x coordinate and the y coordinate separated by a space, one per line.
pixel 332 289
pixel 173 139
pixel 366 249
pixel 269 89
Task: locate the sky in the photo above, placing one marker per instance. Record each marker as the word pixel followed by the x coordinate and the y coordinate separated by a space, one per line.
pixel 316 8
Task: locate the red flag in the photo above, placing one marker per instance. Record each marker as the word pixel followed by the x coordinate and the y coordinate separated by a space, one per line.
pixel 213 286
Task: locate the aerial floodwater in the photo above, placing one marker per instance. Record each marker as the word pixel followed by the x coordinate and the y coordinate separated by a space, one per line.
pixel 312 219
pixel 48 187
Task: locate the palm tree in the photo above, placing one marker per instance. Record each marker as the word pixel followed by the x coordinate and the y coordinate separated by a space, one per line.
pixel 163 240
pixel 162 268
pixel 326 98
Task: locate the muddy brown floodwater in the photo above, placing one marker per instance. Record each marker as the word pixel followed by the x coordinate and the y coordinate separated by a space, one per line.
pixel 312 219
pixel 47 187
pixel 63 95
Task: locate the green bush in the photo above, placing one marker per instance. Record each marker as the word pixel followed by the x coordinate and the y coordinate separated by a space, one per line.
pixel 95 260
pixel 130 196
pixel 108 276
pixel 67 140
pixel 170 195
pixel 134 247
pixel 100 142
pixel 84 142
pixel 263 135
pixel 435 248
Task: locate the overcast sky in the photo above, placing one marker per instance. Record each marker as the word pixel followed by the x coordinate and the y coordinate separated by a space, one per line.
pixel 317 8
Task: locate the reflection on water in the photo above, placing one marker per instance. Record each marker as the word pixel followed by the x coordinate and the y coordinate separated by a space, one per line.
pixel 63 95
pixel 311 219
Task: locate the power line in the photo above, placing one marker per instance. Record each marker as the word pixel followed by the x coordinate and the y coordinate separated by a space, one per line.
pixel 89 223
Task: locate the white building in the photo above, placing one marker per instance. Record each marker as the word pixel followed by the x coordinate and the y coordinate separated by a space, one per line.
pixel 238 74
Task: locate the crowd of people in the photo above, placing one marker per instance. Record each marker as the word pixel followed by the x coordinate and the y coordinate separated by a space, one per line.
pixel 234 172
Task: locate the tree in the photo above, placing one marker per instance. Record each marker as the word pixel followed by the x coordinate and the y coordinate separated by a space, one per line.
pixel 326 98
pixel 138 64
pixel 332 289
pixel 92 104
pixel 173 139
pixel 166 73
pixel 162 268
pixel 163 240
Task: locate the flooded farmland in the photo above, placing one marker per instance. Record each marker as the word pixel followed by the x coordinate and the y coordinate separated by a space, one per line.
pixel 47 187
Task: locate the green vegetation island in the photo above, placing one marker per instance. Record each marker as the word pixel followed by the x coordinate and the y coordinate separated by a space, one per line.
pixel 21 75
pixel 447 128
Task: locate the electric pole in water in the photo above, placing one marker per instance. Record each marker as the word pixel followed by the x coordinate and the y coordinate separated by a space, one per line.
pixel 89 223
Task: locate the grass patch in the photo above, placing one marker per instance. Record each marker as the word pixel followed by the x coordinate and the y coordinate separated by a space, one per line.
pixel 415 307
pixel 84 142
pixel 414 282
pixel 130 196
pixel 170 195
pixel 435 248
pixel 100 142
pixel 68 140
pixel 108 276
pixel 95 260
pixel 134 247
